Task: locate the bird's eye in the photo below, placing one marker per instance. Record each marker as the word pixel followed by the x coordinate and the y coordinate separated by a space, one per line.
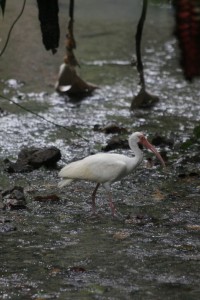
pixel 140 145
pixel 140 142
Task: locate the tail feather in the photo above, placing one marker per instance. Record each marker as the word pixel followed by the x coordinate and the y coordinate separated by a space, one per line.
pixel 64 182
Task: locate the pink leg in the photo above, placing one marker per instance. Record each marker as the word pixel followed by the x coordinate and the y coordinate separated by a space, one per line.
pixel 107 187
pixel 93 198
pixel 112 206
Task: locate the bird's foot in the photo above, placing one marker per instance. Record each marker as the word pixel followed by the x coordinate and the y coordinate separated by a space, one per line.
pixel 113 209
pixel 117 216
pixel 96 215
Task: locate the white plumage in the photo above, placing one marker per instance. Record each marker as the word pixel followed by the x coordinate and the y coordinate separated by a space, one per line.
pixel 106 168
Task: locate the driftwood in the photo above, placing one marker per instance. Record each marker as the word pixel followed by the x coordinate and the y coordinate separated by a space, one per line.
pixel 71 84
pixel 68 80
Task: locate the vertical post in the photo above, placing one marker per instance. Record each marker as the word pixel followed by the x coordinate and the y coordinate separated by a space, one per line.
pixel 138 38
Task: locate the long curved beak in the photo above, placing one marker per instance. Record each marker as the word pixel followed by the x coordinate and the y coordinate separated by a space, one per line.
pixel 149 146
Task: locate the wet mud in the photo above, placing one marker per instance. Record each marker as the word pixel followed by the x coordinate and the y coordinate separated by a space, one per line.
pixel 52 247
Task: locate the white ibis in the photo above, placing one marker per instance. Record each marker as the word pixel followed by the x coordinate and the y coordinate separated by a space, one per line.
pixel 106 168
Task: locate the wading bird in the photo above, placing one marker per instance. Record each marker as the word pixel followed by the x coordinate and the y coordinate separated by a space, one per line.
pixel 106 168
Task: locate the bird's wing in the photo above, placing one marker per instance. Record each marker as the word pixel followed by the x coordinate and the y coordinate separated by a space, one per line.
pixel 98 168
pixel 105 167
pixel 72 170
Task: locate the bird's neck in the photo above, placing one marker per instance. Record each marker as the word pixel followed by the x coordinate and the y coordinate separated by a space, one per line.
pixel 137 159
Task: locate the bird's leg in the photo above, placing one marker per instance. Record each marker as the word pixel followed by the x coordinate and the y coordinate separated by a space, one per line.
pixel 93 198
pixel 112 206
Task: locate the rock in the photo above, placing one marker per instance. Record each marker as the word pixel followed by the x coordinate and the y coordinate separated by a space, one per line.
pixel 17 167
pixel 115 143
pixel 33 158
pixel 196 132
pixel 158 140
pixel 3 112
pixel 110 128
pixel 193 227
pixel 121 235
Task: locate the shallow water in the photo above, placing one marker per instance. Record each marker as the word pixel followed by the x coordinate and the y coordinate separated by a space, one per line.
pixel 58 251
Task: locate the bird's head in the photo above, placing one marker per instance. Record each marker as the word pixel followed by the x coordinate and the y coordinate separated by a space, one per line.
pixel 139 138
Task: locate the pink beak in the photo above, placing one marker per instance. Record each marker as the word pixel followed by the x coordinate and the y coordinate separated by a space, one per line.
pixel 146 143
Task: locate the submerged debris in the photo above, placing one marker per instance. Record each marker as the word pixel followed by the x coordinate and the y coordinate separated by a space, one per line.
pixel 45 198
pixel 159 140
pixel 33 158
pixel 71 84
pixel 6 226
pixel 144 100
pixel 77 269
pixel 142 220
pixel 190 175
pixel 13 198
